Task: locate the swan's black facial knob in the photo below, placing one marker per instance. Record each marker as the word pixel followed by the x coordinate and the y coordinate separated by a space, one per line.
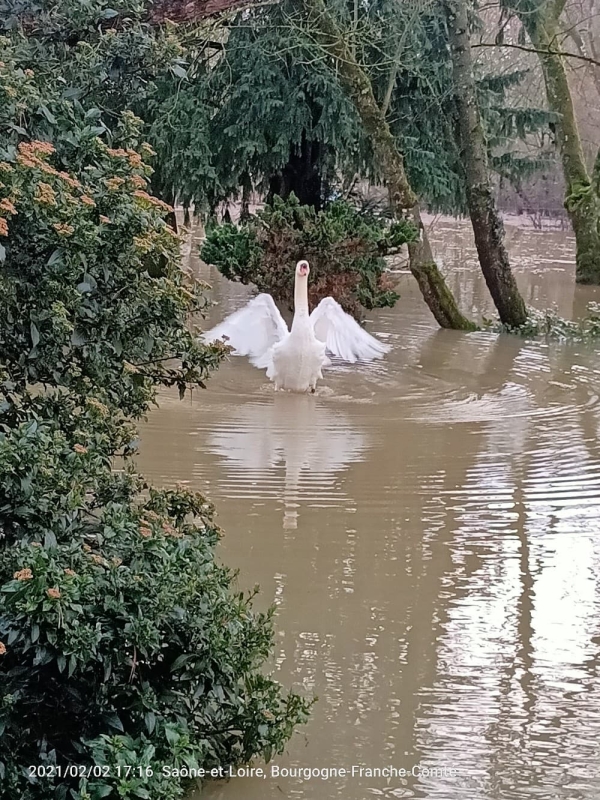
pixel 302 268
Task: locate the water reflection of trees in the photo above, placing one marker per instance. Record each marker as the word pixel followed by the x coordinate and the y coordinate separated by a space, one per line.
pixel 496 659
pixel 435 638
pixel 544 266
pixel 443 642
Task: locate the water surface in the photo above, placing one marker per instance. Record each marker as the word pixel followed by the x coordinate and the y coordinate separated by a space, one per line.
pixel 428 527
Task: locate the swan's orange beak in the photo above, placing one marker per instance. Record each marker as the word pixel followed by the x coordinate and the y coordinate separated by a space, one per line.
pixel 302 267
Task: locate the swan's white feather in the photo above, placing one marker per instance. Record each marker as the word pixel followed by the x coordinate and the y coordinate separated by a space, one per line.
pixel 252 330
pixel 342 335
pixel 294 359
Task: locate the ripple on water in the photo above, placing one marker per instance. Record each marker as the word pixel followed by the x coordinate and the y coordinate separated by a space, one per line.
pixel 428 528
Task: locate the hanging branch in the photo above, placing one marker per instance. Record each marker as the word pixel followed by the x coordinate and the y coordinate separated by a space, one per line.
pixel 548 52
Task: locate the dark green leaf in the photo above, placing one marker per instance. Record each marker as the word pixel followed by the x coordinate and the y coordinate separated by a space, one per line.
pixel 48 114
pixel 171 734
pixel 49 540
pixel 150 721
pixel 56 256
pixel 78 338
pixel 113 721
pixel 72 93
pixel 180 661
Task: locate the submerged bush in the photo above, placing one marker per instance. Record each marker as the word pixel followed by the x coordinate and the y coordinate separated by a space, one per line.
pixel 345 249
pixel 551 325
pixel 115 620
pixel 122 641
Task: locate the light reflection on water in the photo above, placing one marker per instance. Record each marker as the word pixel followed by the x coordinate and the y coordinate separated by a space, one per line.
pixel 429 528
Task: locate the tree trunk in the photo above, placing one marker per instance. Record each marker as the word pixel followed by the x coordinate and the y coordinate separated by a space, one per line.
pixel 301 175
pixel 487 224
pixel 355 81
pixel 246 192
pixel 582 200
pixel 171 218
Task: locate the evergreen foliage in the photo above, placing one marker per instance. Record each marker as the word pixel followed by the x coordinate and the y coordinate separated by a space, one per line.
pixel 262 100
pixel 270 107
pixel 110 59
pixel 345 250
pixel 122 641
pixel 260 106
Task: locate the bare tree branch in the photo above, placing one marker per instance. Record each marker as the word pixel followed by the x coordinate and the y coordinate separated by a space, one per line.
pixel 573 33
pixel 539 52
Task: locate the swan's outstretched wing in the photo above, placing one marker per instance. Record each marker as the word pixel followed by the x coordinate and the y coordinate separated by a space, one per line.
pixel 342 334
pixel 253 329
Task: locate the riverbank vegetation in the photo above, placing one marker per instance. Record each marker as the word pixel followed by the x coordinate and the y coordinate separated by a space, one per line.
pixel 289 98
pixel 122 640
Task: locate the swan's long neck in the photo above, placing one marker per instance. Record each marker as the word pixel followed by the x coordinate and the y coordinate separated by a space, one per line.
pixel 301 296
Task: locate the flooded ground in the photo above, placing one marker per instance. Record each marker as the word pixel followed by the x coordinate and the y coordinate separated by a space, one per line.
pixel 429 528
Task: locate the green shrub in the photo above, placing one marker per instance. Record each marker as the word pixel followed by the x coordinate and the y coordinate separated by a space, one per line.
pixel 122 641
pixel 115 618
pixel 345 249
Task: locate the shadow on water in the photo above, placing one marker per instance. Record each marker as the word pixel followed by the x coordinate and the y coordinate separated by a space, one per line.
pixel 428 527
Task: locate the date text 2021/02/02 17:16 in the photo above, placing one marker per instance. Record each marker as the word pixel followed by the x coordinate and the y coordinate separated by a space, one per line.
pixel 274 771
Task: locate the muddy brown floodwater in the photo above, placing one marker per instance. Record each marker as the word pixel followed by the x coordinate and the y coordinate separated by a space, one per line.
pixel 429 529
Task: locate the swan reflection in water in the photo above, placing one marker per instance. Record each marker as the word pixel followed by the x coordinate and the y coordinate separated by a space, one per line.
pixel 311 442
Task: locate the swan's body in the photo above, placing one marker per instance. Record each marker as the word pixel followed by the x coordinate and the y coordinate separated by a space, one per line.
pixel 294 359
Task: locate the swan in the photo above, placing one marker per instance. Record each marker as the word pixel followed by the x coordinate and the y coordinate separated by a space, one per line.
pixel 294 358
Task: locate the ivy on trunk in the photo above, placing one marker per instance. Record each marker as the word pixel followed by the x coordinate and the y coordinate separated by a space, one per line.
pixel 582 201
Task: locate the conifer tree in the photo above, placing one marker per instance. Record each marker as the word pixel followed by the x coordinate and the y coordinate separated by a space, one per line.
pixel 356 83
pixel 270 109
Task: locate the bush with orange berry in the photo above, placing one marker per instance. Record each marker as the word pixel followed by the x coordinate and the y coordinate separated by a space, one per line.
pixel 122 640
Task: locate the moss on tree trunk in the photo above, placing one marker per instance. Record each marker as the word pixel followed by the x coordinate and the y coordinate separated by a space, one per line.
pixel 582 201
pixel 355 81
pixel 582 197
pixel 487 224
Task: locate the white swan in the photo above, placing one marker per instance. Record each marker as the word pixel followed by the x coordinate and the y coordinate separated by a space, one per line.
pixel 294 359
